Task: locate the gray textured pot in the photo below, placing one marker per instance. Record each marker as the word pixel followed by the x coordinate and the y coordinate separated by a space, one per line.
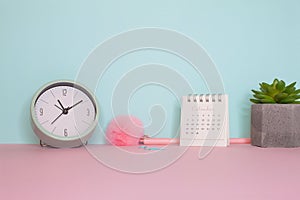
pixel 275 125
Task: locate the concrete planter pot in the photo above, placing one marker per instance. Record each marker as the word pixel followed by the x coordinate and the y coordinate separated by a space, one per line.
pixel 275 125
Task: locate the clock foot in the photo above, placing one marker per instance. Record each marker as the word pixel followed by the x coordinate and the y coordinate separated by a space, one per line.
pixel 42 144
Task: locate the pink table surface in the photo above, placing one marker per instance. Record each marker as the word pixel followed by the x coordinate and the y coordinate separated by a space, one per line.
pixel 236 172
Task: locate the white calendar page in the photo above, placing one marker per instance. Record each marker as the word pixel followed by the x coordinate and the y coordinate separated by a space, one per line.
pixel 204 120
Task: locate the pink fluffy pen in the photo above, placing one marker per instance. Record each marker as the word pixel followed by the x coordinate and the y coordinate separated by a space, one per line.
pixel 165 141
pixel 158 141
pixel 128 130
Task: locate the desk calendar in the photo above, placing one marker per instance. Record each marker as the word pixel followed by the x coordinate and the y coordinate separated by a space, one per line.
pixel 204 120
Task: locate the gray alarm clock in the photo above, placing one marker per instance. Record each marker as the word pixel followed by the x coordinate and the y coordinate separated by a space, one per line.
pixel 64 114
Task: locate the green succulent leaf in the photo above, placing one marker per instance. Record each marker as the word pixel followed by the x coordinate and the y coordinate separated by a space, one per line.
pixel 257 92
pixel 288 100
pixel 275 82
pixel 296 91
pixel 267 101
pixel 277 92
pixel 290 90
pixel 263 88
pixel 280 85
pixel 271 91
pixel 265 85
pixel 296 96
pixel 280 96
pixel 262 96
pixel 291 85
pixel 255 101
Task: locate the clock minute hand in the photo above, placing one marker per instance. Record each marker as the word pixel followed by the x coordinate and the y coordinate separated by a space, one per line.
pixel 68 108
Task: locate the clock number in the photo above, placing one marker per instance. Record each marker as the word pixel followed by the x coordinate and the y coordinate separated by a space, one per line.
pixel 66 132
pixel 87 112
pixel 41 111
pixel 64 92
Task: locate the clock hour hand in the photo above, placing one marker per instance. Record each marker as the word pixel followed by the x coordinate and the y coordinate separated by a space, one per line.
pixel 68 108
pixel 62 107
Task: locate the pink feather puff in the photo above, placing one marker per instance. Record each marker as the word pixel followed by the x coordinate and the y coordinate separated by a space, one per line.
pixel 124 131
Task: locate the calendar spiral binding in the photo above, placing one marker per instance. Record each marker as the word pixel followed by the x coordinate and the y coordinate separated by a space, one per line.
pixel 205 97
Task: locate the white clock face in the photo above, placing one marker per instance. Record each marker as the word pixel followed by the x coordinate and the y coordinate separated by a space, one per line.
pixel 65 111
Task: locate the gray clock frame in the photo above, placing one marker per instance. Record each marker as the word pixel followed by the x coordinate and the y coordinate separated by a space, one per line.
pixel 49 139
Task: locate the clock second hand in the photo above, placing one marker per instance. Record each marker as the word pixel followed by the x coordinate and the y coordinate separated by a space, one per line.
pixel 57 118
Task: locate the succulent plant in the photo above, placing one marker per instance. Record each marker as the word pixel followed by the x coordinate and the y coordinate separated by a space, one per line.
pixel 277 92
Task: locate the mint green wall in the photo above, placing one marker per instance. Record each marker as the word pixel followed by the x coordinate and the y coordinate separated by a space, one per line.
pixel 41 41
